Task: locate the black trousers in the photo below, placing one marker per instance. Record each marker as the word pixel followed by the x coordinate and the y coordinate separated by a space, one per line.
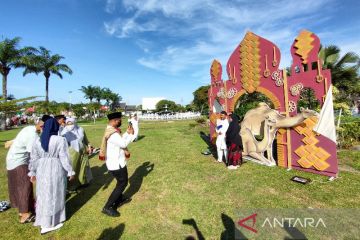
pixel 116 196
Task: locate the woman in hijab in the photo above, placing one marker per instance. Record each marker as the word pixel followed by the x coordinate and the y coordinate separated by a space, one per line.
pixel 234 142
pixel 49 165
pixel 78 148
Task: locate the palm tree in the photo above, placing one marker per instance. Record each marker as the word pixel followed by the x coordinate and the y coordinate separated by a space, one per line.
pixel 97 93
pixel 106 94
pixel 11 56
pixel 115 100
pixel 89 92
pixel 44 62
pixel 344 70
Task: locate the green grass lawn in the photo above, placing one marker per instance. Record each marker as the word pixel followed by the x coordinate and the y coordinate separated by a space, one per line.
pixel 171 181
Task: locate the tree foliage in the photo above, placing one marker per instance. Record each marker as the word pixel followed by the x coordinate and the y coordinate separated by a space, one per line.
pixel 11 56
pixel 89 92
pixel 344 72
pixel 200 102
pixel 249 101
pixel 43 62
pixel 171 106
pixel 11 106
pixel 308 100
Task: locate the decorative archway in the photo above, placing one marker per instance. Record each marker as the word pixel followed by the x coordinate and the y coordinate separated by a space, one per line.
pixel 254 67
pixel 262 90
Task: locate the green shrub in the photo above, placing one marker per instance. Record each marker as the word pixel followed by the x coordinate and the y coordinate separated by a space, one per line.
pixel 349 132
pixel 201 120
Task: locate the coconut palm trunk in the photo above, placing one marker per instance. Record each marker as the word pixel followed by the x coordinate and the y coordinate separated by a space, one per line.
pixel 47 77
pixel 4 83
pixel 5 73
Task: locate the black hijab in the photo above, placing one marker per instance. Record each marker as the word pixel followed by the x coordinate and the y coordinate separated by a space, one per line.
pixel 51 127
pixel 233 132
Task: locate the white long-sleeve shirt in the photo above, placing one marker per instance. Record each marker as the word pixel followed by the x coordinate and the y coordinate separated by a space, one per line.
pixel 115 155
pixel 225 125
pixel 220 140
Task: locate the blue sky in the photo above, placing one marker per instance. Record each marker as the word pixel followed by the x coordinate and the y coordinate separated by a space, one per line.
pixel 160 48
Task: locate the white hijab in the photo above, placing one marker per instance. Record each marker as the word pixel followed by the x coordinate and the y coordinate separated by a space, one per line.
pixel 73 134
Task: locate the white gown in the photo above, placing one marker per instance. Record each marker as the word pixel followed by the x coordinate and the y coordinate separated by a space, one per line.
pixel 51 169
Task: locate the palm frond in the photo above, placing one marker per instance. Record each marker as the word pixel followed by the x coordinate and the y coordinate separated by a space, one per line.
pixel 58 74
pixel 65 68
pixel 349 57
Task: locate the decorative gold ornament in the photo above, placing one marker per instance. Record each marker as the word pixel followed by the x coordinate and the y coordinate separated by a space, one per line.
pixel 296 89
pixel 215 69
pixel 303 45
pixel 311 155
pixel 266 71
pixel 276 76
pixel 250 62
pixel 292 106
pixel 231 93
pixel 221 93
pixel 274 62
pixel 319 76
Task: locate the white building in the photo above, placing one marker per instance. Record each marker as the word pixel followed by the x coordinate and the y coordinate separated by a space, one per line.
pixel 149 104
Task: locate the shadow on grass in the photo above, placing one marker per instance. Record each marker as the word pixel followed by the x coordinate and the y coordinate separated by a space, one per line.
pixel 211 146
pixel 112 233
pixel 140 137
pixel 192 223
pixel 101 179
pixel 137 178
pixel 294 232
pixel 230 232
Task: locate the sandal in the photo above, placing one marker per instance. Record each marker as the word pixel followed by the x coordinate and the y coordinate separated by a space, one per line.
pixel 30 219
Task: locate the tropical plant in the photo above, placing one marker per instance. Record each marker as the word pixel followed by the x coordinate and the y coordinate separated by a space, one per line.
pixel 98 94
pixel 89 92
pixel 115 101
pixel 11 56
pixel 44 62
pixel 344 72
pixel 8 107
pixel 79 109
pixel 201 99
pixel 106 94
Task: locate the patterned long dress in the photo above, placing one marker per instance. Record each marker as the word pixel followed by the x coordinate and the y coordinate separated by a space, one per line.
pixel 78 143
pixel 51 169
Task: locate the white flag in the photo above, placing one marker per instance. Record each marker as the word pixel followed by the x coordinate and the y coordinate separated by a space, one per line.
pixel 326 124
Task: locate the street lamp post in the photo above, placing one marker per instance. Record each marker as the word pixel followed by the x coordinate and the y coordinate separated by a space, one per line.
pixel 70 92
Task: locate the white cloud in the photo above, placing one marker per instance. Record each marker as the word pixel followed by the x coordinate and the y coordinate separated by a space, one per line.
pixel 195 32
pixel 110 6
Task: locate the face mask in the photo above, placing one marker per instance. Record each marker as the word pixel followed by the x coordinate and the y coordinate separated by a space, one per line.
pixel 70 127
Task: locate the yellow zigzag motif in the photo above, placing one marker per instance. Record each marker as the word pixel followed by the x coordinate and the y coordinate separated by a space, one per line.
pixel 303 45
pixel 215 69
pixel 250 62
pixel 310 154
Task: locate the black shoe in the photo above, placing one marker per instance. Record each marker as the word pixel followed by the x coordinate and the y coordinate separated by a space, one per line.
pixel 110 212
pixel 125 201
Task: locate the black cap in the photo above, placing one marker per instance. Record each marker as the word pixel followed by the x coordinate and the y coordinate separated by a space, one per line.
pixel 114 115
pixel 57 117
pixel 45 117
